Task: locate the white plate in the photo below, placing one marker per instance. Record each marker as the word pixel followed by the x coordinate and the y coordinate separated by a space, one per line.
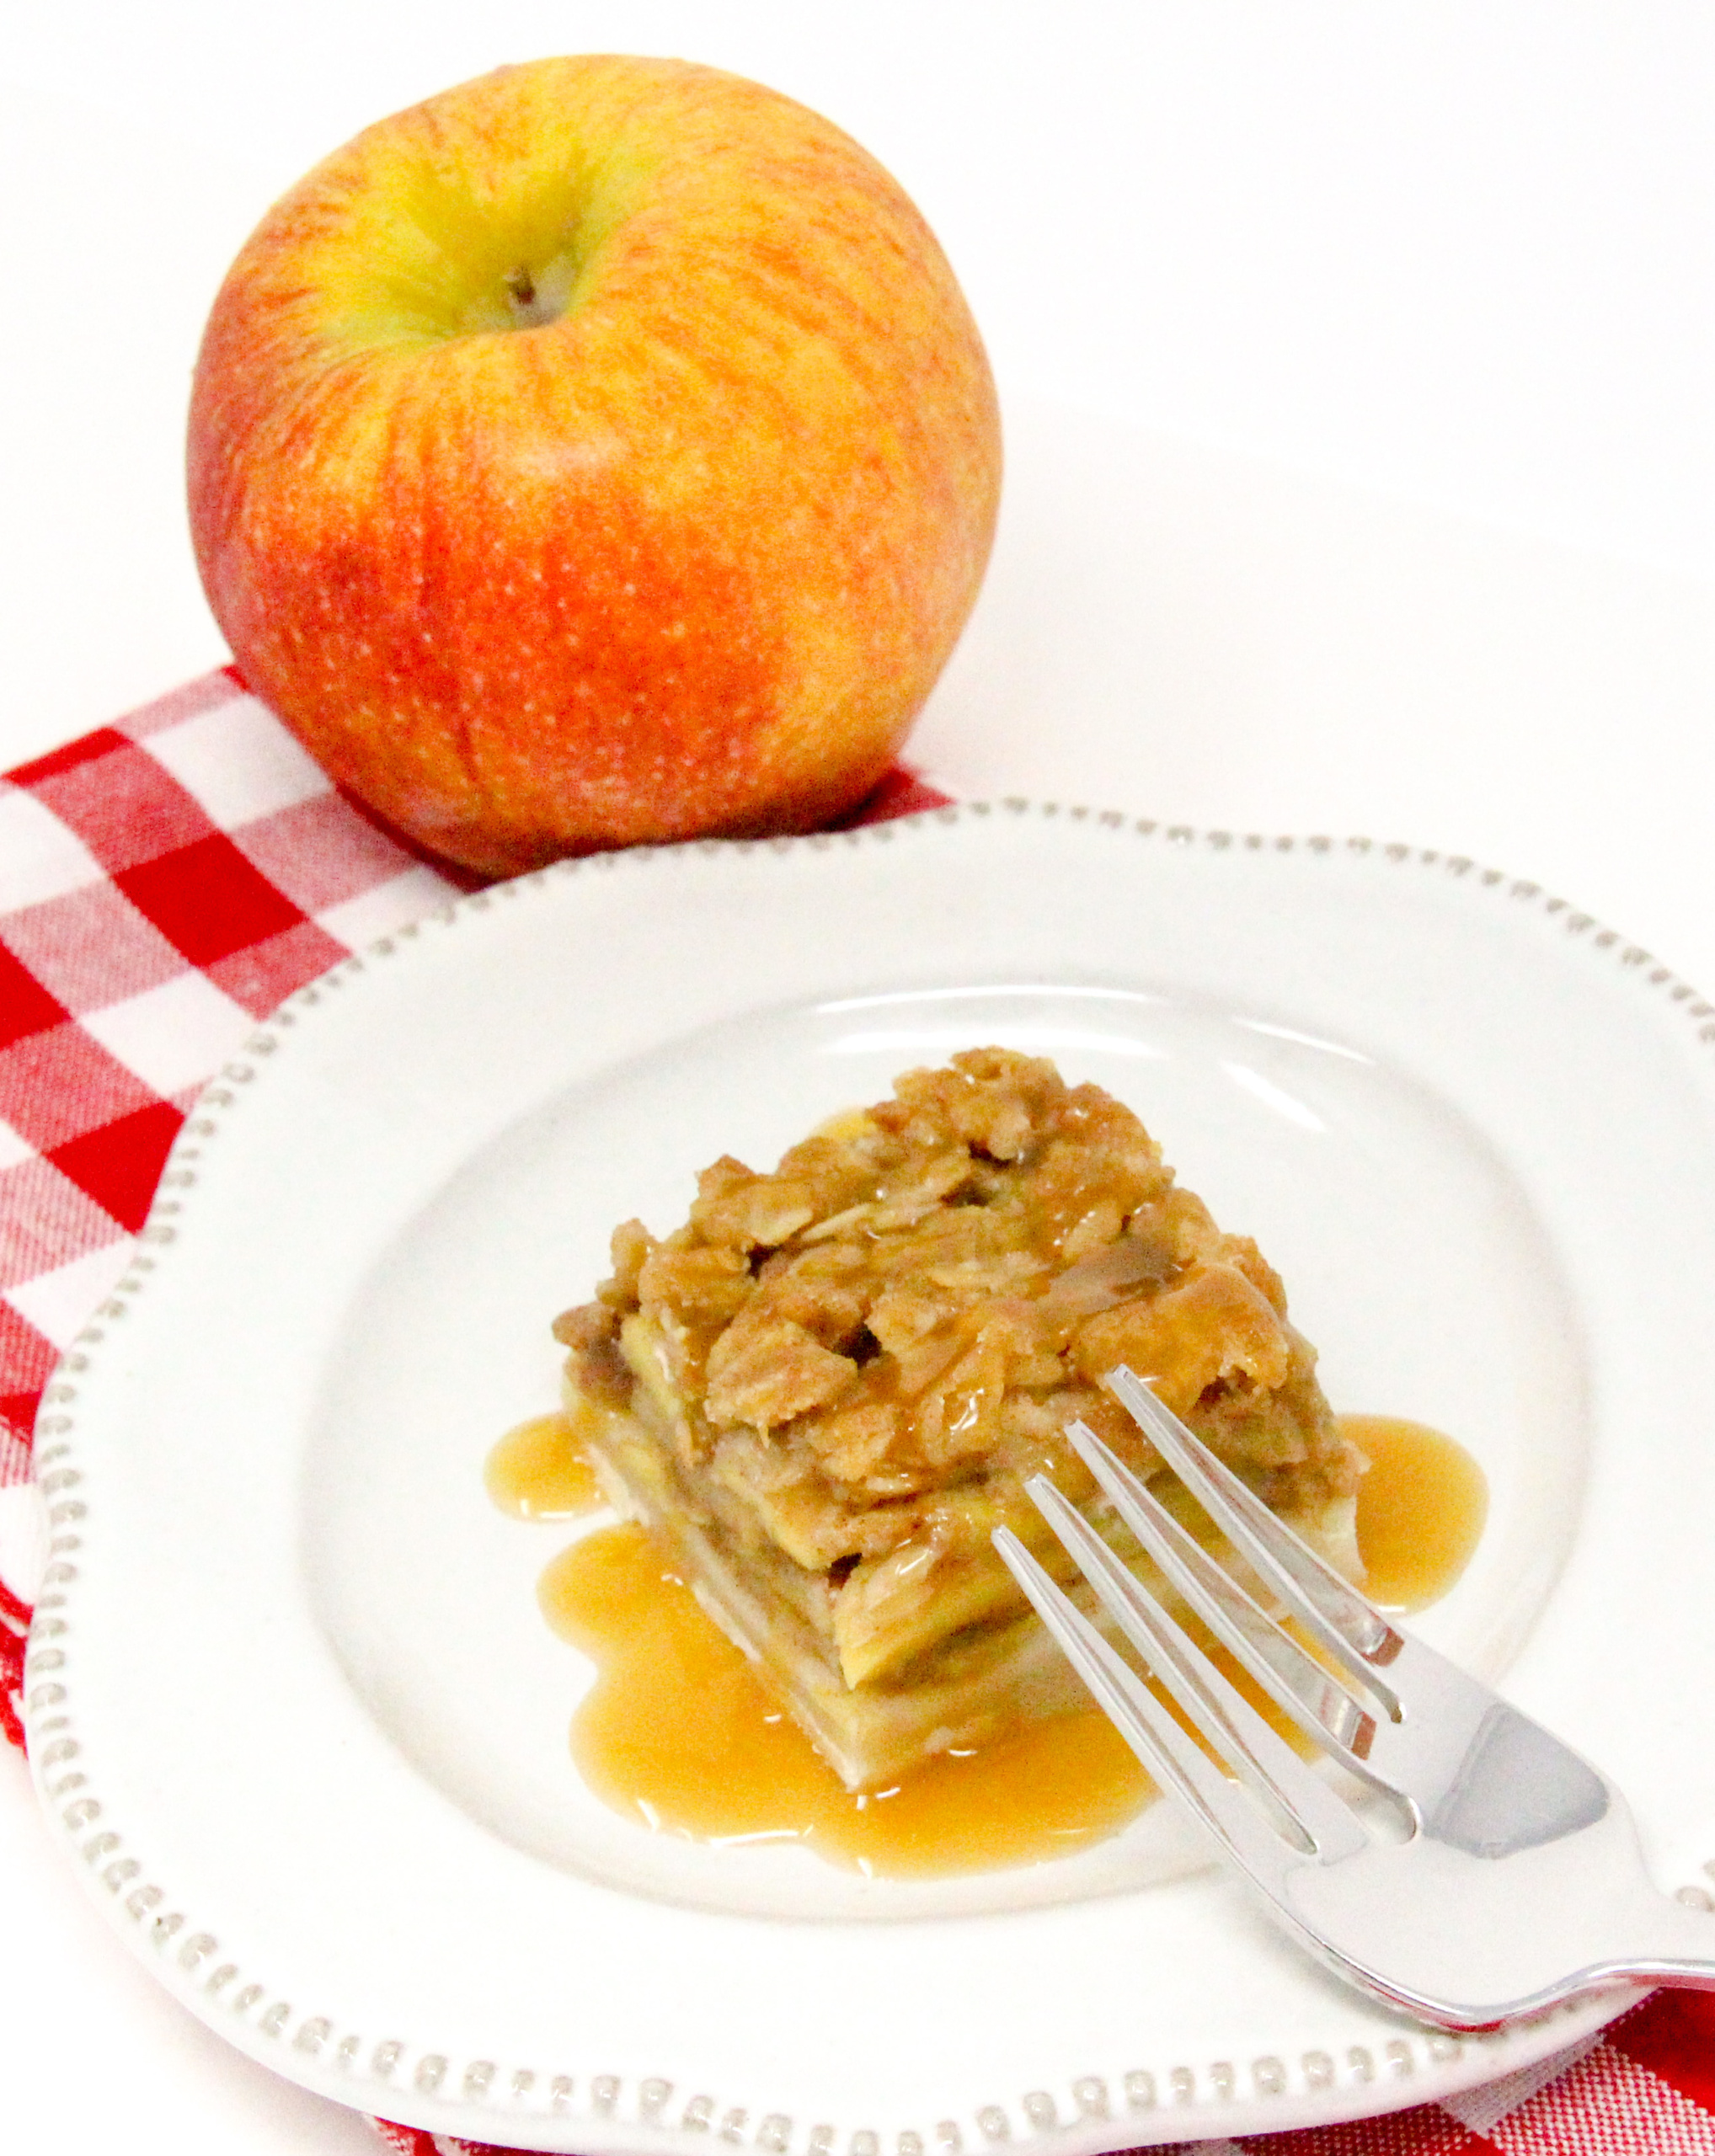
pixel 289 1694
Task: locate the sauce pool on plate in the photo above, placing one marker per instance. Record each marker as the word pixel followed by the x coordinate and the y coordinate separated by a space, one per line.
pixel 1421 1510
pixel 680 1732
pixel 538 1471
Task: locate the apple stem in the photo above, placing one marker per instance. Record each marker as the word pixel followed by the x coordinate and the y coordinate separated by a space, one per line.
pixel 521 287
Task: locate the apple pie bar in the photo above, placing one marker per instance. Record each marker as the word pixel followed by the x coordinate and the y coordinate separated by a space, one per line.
pixel 831 1385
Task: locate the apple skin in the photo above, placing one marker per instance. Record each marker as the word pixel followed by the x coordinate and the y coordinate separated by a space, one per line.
pixel 602 452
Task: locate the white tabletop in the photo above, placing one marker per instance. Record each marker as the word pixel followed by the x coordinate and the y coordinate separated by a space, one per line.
pixel 1357 365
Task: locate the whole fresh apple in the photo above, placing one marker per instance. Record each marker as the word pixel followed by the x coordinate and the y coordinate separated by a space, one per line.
pixel 601 451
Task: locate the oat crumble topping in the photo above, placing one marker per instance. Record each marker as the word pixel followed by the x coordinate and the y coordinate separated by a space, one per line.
pixel 863 1354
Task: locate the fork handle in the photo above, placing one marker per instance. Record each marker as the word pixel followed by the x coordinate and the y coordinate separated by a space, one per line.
pixel 1676 1944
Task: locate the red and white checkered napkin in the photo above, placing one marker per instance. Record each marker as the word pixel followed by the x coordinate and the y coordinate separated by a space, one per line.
pixel 165 881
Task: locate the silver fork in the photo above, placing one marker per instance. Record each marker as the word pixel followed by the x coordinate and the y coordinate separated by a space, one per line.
pixel 1492 1873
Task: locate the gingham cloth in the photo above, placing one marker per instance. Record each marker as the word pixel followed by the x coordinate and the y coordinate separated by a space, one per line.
pixel 166 880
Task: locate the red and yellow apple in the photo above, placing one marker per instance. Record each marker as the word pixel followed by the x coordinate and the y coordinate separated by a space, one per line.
pixel 601 451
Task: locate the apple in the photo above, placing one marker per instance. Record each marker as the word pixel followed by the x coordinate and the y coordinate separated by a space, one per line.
pixel 602 452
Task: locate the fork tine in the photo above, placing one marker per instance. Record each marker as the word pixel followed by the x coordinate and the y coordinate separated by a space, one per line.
pixel 1170 1755
pixel 1161 1643
pixel 1317 1703
pixel 1238 1733
pixel 1336 1617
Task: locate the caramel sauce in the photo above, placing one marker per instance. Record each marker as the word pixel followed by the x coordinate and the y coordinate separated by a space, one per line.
pixel 538 1471
pixel 681 1734
pixel 1421 1509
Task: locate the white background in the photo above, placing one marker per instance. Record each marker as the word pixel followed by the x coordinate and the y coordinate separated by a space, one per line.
pixel 1359 362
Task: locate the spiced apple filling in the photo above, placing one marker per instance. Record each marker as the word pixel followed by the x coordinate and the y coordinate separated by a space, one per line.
pixel 830 1385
